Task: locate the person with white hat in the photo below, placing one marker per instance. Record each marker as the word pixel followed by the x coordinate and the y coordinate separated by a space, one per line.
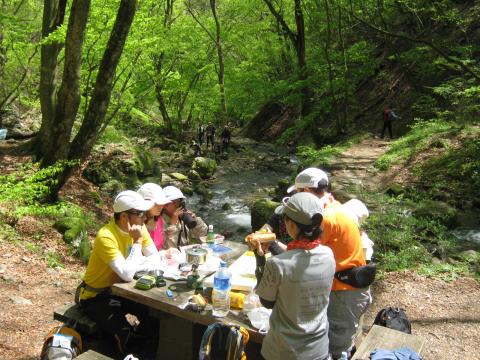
pixel 359 213
pixel 117 254
pixel 296 284
pixel 342 236
pixel 181 225
pixel 153 220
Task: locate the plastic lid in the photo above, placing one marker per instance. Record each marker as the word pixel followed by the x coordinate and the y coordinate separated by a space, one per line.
pixel 210 227
pixel 223 263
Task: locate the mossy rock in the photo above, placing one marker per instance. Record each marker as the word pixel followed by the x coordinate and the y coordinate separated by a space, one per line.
pixel 226 206
pixel 194 175
pixel 203 191
pixel 187 190
pixel 204 166
pixel 67 223
pixel 260 211
pixel 281 189
pixel 438 210
pixel 395 190
pixel 179 176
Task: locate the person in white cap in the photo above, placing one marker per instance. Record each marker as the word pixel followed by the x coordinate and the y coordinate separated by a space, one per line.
pixel 359 212
pixel 153 220
pixel 341 234
pixel 117 254
pixel 296 284
pixel 181 225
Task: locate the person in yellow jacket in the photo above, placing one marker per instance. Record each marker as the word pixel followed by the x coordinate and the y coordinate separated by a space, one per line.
pixel 119 251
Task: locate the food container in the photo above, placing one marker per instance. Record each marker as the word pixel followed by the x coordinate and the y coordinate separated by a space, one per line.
pixel 196 255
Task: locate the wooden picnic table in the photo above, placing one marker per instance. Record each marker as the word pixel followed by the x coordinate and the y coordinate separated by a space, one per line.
pixel 182 323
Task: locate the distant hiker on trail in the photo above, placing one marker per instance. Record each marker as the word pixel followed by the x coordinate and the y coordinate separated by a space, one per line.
pixel 210 131
pixel 226 136
pixel 388 116
pixel 201 134
pixel 217 150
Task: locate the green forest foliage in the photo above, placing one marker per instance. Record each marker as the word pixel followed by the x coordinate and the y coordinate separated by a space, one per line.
pixel 360 55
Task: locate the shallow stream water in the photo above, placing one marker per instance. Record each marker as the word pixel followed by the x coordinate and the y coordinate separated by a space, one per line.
pixel 238 183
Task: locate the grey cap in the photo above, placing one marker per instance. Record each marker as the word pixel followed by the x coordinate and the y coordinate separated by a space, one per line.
pixel 301 208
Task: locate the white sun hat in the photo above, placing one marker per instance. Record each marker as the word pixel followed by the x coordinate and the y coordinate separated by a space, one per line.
pixel 151 191
pixel 309 178
pixel 173 193
pixel 357 209
pixel 129 199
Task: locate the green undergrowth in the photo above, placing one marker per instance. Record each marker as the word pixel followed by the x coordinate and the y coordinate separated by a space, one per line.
pixel 405 241
pixel 22 195
pixel 309 156
pixel 423 135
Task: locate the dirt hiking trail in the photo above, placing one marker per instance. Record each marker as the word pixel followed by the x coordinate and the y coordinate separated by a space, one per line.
pixel 445 314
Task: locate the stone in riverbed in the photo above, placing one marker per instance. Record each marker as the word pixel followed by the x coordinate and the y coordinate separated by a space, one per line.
pixel 204 166
pixel 261 210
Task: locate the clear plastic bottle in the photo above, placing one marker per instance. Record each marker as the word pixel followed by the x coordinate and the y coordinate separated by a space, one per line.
pixel 221 291
pixel 210 235
pixel 343 356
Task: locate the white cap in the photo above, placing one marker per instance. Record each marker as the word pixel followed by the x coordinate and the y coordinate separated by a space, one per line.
pixel 129 199
pixel 309 178
pixel 357 209
pixel 154 192
pixel 173 193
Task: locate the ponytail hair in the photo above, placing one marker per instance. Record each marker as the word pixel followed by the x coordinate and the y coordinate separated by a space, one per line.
pixel 311 232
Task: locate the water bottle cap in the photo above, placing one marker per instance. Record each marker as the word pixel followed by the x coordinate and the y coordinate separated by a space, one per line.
pixel 210 227
pixel 223 263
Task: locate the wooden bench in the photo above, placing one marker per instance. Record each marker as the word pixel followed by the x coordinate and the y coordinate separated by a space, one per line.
pixel 92 355
pixel 380 337
pixel 74 316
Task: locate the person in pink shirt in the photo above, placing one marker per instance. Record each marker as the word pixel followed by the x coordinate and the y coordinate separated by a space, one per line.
pixel 153 221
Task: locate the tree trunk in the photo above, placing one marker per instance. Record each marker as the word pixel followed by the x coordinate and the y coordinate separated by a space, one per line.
pixel 221 65
pixel 68 98
pixel 97 109
pixel 53 17
pixel 298 42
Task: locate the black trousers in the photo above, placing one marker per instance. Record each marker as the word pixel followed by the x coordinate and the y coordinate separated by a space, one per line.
pixel 109 312
pixel 387 125
pixel 210 139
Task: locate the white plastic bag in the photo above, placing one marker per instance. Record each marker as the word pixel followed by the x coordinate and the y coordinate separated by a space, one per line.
pixel 260 319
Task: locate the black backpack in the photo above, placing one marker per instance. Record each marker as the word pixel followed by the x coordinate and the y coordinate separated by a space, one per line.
pixel 393 318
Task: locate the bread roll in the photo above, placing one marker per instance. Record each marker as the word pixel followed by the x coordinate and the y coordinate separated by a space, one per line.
pixel 264 237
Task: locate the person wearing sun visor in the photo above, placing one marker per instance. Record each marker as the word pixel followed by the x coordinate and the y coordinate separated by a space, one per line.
pixel 119 250
pixel 297 283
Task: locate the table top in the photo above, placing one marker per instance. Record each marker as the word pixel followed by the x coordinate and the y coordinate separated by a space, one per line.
pixel 157 298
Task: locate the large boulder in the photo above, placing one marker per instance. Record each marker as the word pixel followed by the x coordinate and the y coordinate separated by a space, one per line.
pixel 260 211
pixel 204 166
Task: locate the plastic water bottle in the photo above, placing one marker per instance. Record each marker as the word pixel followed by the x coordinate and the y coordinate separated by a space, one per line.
pixel 343 356
pixel 221 291
pixel 210 235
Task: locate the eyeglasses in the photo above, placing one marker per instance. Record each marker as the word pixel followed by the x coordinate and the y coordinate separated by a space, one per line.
pixel 136 213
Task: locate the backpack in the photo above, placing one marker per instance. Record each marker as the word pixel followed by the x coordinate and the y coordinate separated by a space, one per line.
pixel 61 342
pixel 393 318
pixel 223 342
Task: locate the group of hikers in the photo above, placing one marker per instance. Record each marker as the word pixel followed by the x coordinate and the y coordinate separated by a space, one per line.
pixel 207 135
pixel 315 313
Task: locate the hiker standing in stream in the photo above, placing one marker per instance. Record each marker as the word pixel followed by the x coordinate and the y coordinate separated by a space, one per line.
pixel 210 132
pixel 388 116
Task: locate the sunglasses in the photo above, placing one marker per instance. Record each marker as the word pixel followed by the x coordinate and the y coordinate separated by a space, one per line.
pixel 136 213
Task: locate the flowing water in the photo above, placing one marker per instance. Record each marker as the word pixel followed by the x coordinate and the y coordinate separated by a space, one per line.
pixel 239 181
